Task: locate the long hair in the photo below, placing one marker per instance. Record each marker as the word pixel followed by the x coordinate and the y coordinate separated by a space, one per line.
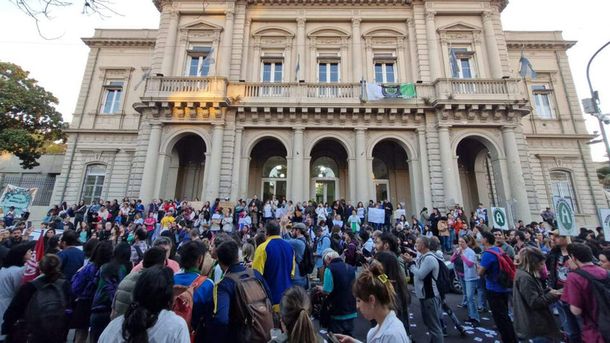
pixel 144 311
pixel 295 308
pixel 529 260
pixel 373 281
pixel 50 266
pixel 392 269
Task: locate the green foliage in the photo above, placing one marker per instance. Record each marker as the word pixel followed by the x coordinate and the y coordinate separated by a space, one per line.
pixel 28 119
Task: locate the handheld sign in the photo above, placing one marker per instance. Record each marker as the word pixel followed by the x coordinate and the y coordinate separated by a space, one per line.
pixel 565 217
pixel 604 213
pixel 498 218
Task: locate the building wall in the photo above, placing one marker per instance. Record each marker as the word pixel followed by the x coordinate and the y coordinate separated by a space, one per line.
pixel 231 112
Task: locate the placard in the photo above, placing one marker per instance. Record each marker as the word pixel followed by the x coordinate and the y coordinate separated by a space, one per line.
pixel 566 222
pixel 376 215
pixel 18 197
pixel 498 218
pixel 604 214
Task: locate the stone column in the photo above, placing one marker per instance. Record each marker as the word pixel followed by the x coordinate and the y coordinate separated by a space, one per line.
pixel 450 173
pixel 362 177
pixel 433 54
pixel 213 178
pixel 297 164
pixel 425 171
pixel 492 45
pixel 256 61
pixel 417 186
pixel 150 165
pixel 244 173
pixel 515 174
pixel 351 174
pixel 227 44
pixel 245 51
pixel 413 59
pixel 300 39
pixel 167 64
pixel 306 180
pixel 356 50
pixel 236 164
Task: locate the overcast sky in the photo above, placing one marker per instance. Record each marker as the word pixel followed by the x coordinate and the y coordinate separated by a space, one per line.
pixel 59 64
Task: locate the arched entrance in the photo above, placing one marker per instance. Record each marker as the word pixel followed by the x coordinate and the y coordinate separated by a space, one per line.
pixel 391 173
pixel 477 174
pixel 186 169
pixel 328 171
pixel 268 172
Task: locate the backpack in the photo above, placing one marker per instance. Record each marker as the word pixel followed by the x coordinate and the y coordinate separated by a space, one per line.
pixel 335 244
pixel 307 262
pixel 45 314
pixel 443 281
pixel 253 313
pixel 506 269
pixel 140 254
pixel 601 293
pixel 184 302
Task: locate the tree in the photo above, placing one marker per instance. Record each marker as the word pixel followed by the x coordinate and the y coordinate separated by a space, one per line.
pixel 28 118
pixel 603 175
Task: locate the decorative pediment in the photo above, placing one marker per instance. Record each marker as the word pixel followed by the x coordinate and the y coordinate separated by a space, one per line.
pixel 383 32
pixel 273 32
pixel 459 27
pixel 201 25
pixel 328 32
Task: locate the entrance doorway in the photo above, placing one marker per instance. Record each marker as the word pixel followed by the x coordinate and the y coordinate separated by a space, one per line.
pixel 187 167
pixel 326 190
pixel 391 173
pixel 268 170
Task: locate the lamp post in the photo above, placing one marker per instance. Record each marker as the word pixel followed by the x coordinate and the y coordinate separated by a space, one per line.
pixel 595 103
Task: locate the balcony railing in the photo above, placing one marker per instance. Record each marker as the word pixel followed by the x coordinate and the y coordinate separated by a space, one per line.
pixel 186 88
pixel 296 92
pixel 477 89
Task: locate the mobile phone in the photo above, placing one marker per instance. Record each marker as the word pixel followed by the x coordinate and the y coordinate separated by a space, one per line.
pixel 329 336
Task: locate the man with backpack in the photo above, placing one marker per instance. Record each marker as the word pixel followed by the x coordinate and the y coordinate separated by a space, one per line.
pixel 587 291
pixel 193 292
pixel 499 272
pixel 303 255
pixel 242 305
pixel 425 272
pixel 139 246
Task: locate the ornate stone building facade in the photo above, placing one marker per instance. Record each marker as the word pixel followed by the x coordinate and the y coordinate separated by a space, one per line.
pixel 234 98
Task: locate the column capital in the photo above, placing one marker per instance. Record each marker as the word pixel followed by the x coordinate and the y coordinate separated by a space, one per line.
pixel 444 127
pixel 229 14
pixel 509 128
pixel 239 130
pixel 430 15
pixel 298 129
pixel 218 125
pixel 360 129
pixel 156 124
pixel 410 21
pixel 420 131
pixel 356 21
pixel 487 16
pixel 301 21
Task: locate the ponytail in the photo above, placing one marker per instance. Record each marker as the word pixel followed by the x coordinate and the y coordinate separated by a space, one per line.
pixel 303 329
pixel 137 320
pixel 295 308
pixel 373 281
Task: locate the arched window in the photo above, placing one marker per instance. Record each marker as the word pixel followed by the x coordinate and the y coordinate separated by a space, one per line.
pixel 325 167
pixel 380 169
pixel 562 187
pixel 275 168
pixel 93 183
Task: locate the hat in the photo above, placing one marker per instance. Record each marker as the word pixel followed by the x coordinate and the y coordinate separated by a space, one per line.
pixel 301 227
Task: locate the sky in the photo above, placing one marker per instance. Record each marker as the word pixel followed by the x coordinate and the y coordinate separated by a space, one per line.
pixel 59 64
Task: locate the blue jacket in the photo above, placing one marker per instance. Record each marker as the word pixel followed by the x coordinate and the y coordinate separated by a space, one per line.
pixel 224 297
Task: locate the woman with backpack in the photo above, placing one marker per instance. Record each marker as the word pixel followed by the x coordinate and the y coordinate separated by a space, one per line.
pixel 110 275
pixel 149 318
pixel 532 300
pixel 38 310
pixel 84 284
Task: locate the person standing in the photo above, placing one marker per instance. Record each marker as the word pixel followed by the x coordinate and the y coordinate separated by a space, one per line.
pixel 339 277
pixel 298 243
pixel 531 300
pixel 425 272
pixel 471 279
pixel 497 295
pixel 72 258
pixel 275 260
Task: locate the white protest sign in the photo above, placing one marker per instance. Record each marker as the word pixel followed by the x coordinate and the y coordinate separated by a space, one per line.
pixel 604 214
pixel 498 218
pixel 376 215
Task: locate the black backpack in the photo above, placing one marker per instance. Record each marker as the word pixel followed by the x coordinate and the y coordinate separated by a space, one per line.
pixel 443 281
pixel 601 293
pixel 307 262
pixel 45 314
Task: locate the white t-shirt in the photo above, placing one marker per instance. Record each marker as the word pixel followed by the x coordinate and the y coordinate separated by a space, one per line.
pixel 169 328
pixel 391 331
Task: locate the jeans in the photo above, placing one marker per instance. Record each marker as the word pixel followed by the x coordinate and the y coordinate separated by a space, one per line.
pixel 471 286
pixel 446 243
pixel 568 322
pixel 431 314
pixel 99 321
pixel 498 302
pixel 463 283
pixel 481 293
pixel 343 327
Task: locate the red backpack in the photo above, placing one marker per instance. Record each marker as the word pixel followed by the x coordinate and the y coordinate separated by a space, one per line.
pixel 183 301
pixel 506 269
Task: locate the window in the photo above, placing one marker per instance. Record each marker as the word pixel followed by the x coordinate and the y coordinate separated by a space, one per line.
pixel 272 71
pixel 561 186
pixel 199 61
pixel 324 167
pixel 384 72
pixel 275 167
pixel 274 178
pixel 112 97
pixel 542 102
pixel 328 71
pixel 461 63
pixel 94 182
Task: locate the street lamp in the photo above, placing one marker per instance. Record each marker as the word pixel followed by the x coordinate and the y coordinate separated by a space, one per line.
pixel 593 103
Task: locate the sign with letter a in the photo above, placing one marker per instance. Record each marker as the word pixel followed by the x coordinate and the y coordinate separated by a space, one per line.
pixel 565 217
pixel 498 218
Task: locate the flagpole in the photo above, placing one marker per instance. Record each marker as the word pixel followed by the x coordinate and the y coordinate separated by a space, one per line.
pixel 595 102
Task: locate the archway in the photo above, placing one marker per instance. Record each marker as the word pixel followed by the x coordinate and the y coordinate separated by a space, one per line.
pixel 268 174
pixel 391 173
pixel 328 171
pixel 477 174
pixel 186 169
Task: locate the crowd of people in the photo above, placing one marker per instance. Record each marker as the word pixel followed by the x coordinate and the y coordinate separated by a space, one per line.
pixel 278 271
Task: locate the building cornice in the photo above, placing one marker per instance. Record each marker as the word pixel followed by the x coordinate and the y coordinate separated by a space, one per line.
pixel 328 2
pixel 102 131
pixel 559 136
pixel 119 42
pixel 539 44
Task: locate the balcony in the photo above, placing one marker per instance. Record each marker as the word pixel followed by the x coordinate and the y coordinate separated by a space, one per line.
pixel 296 93
pixel 186 89
pixel 472 90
